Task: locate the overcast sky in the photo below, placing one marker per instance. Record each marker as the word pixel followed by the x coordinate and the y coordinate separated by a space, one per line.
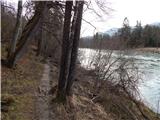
pixel 146 11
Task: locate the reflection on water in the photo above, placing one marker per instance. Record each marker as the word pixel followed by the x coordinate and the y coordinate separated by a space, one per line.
pixel 149 65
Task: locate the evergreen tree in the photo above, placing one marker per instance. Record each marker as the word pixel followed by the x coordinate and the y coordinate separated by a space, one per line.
pixel 136 36
pixel 124 33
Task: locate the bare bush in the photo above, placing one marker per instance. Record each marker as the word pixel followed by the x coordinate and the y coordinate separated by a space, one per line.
pixel 116 68
pixel 118 72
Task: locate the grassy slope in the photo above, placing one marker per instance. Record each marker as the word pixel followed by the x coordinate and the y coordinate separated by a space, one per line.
pixel 19 86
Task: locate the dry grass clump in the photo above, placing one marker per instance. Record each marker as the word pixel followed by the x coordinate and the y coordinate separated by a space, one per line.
pixel 79 108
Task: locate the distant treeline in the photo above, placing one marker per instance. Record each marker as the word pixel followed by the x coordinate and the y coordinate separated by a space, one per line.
pixel 125 37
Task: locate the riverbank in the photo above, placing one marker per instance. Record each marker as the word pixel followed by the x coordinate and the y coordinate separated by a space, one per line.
pixel 112 101
pixel 149 49
pixel 88 102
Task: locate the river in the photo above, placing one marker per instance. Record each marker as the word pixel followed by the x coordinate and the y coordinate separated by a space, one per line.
pixel 149 64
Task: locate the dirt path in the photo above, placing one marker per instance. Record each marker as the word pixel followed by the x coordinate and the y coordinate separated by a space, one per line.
pixel 43 99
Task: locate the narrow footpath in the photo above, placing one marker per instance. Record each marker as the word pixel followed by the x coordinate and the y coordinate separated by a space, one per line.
pixel 43 98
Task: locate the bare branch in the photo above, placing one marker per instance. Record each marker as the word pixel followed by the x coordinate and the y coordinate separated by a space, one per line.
pixel 89 23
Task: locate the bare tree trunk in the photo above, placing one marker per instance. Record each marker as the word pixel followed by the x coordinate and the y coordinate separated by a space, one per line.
pixel 39 46
pixel 74 52
pixel 65 51
pixel 13 42
pixel 39 42
pixel 28 30
pixel 2 7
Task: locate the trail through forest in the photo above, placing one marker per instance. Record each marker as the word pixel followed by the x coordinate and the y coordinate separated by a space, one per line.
pixel 43 99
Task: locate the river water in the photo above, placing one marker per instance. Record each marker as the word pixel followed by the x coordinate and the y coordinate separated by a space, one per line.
pixel 149 66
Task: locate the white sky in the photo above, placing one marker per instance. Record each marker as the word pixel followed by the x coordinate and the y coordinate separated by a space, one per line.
pixel 146 11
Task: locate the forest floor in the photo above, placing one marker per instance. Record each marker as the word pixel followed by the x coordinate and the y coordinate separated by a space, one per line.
pixel 29 93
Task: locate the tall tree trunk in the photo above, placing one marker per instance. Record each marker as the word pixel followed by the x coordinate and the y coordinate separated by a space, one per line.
pixel 16 31
pixel 42 34
pixel 65 51
pixel 26 33
pixel 39 36
pixel 74 52
pixel 39 43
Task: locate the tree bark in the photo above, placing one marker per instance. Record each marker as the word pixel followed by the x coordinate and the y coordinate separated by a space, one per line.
pixel 16 31
pixel 39 43
pixel 26 33
pixel 65 51
pixel 74 52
